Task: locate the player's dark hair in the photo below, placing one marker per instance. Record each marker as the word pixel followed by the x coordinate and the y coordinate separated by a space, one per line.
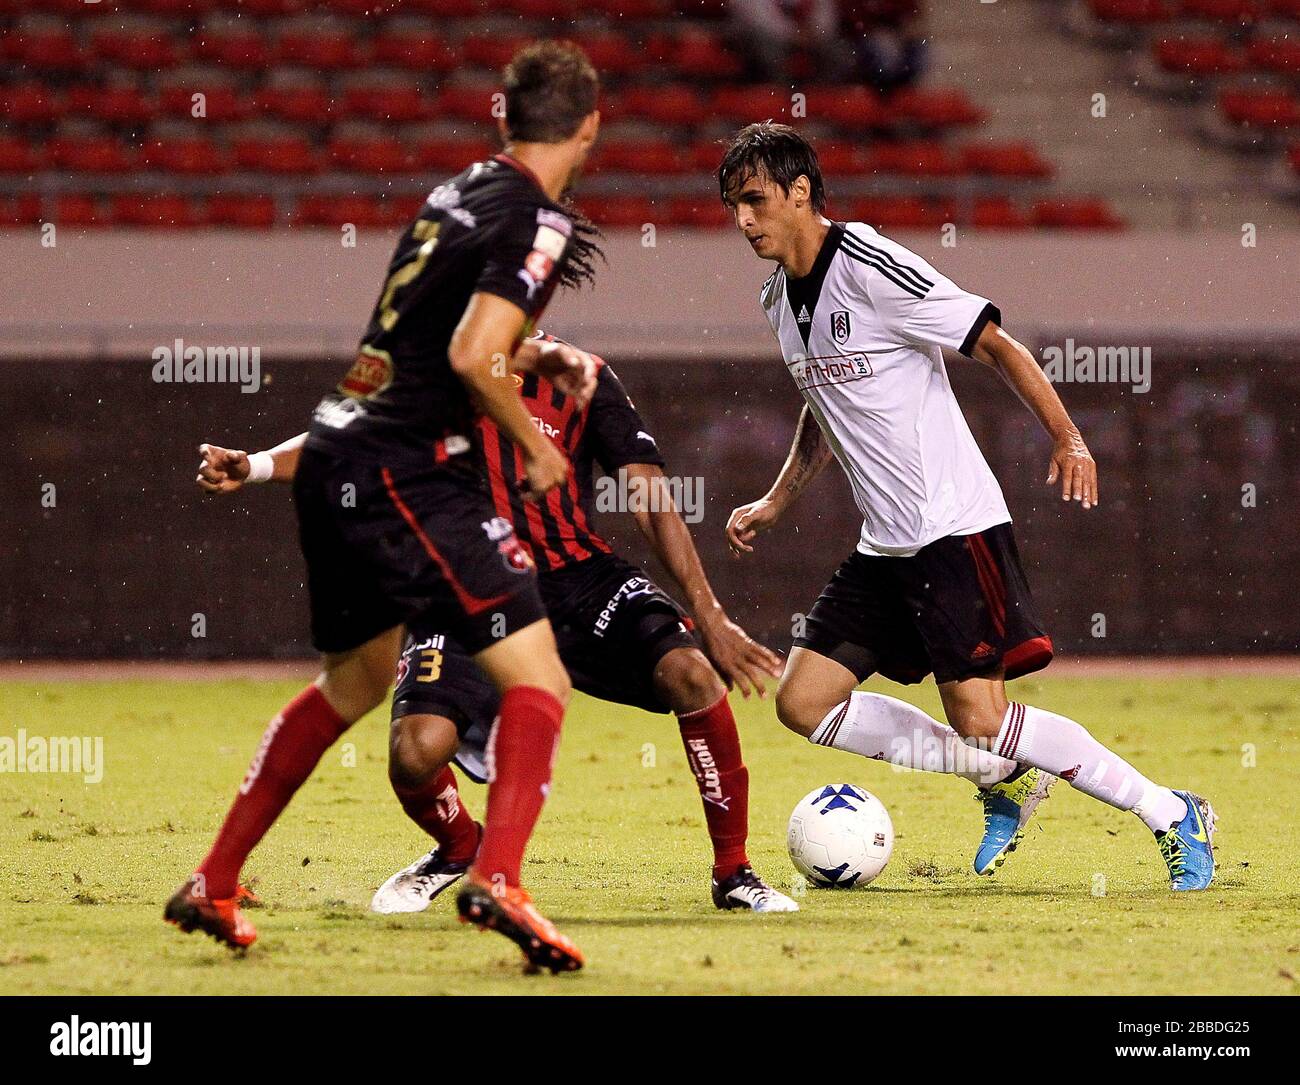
pixel 550 87
pixel 774 151
pixel 579 265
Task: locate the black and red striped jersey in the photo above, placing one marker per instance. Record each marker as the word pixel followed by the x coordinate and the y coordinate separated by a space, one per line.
pixel 558 530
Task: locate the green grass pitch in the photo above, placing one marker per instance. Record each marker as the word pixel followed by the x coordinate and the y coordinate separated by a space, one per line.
pixel 621 859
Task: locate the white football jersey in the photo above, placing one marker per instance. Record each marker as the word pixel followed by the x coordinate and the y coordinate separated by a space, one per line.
pixel 861 336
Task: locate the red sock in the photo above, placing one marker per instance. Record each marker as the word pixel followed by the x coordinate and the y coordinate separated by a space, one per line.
pixel 436 808
pixel 713 750
pixel 291 746
pixel 520 756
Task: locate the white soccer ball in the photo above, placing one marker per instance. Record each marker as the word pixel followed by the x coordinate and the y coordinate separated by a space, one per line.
pixel 840 836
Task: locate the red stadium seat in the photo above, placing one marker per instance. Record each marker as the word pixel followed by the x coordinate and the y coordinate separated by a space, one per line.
pixel 237 209
pixel 1260 108
pixel 998 213
pixel 93 154
pixel 492 50
pixel 242 50
pixel 149 51
pixel 695 53
pixel 853 108
pixel 1225 11
pixel 934 107
pixel 1080 213
pixel 917 159
pixel 450 156
pixel 467 102
pixel 613 54
pixel 30 103
pixel 77 211
pixel 46 50
pixel 1005 160
pixel 699 212
pixel 19 156
pixel 24 210
pixel 418 52
pixel 387 102
pixel 276 154
pixel 163 210
pixel 123 104
pixel 631 10
pixel 654 156
pixel 372 154
pixel 270 9
pixel 446 9
pixel 631 212
pixel 1276 54
pixel 321 50
pixel 540 10
pixel 1132 12
pixel 178 8
pixel 745 104
pixel 842 158
pixel 305 103
pixel 1198 56
pixel 192 155
pixel 900 212
pixel 666 105
pixel 359 211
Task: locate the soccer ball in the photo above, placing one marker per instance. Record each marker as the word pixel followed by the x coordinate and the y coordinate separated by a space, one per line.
pixel 840 836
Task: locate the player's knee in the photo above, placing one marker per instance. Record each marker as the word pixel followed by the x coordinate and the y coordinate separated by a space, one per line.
pixel 687 681
pixel 973 722
pixel 419 747
pixel 556 682
pixel 798 710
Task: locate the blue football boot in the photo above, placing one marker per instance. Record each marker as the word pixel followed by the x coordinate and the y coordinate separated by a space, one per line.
pixel 1188 847
pixel 1008 806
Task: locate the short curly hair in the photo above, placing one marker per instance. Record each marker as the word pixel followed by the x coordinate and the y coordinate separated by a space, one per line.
pixel 550 87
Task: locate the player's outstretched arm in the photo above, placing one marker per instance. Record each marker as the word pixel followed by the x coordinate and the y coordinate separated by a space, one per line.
pixel 480 352
pixel 743 662
pixel 225 470
pixel 1072 463
pixel 808 455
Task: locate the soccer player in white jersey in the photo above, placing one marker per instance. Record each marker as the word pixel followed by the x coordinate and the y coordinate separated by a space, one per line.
pixel 935 583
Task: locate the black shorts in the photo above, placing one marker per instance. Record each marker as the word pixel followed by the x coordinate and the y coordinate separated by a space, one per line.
pixel 959 607
pixel 384 546
pixel 613 625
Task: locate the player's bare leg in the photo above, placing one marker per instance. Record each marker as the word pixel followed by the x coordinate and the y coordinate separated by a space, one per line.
pixel 1183 823
pixel 526 668
pixel 687 682
pixel 350 685
pixel 421 746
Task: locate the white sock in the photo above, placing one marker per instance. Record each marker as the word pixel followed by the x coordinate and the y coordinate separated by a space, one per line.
pixel 1062 747
pixel 886 729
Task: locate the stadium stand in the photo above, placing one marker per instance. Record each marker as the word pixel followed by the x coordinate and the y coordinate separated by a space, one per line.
pixel 265 113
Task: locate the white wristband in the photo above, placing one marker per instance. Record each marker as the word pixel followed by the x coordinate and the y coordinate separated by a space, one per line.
pixel 261 466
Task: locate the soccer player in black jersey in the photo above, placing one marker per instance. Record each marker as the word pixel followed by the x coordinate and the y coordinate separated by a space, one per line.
pixel 396 521
pixel 622 638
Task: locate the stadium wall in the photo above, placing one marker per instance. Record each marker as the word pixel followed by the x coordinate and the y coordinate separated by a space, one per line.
pixel 110 550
